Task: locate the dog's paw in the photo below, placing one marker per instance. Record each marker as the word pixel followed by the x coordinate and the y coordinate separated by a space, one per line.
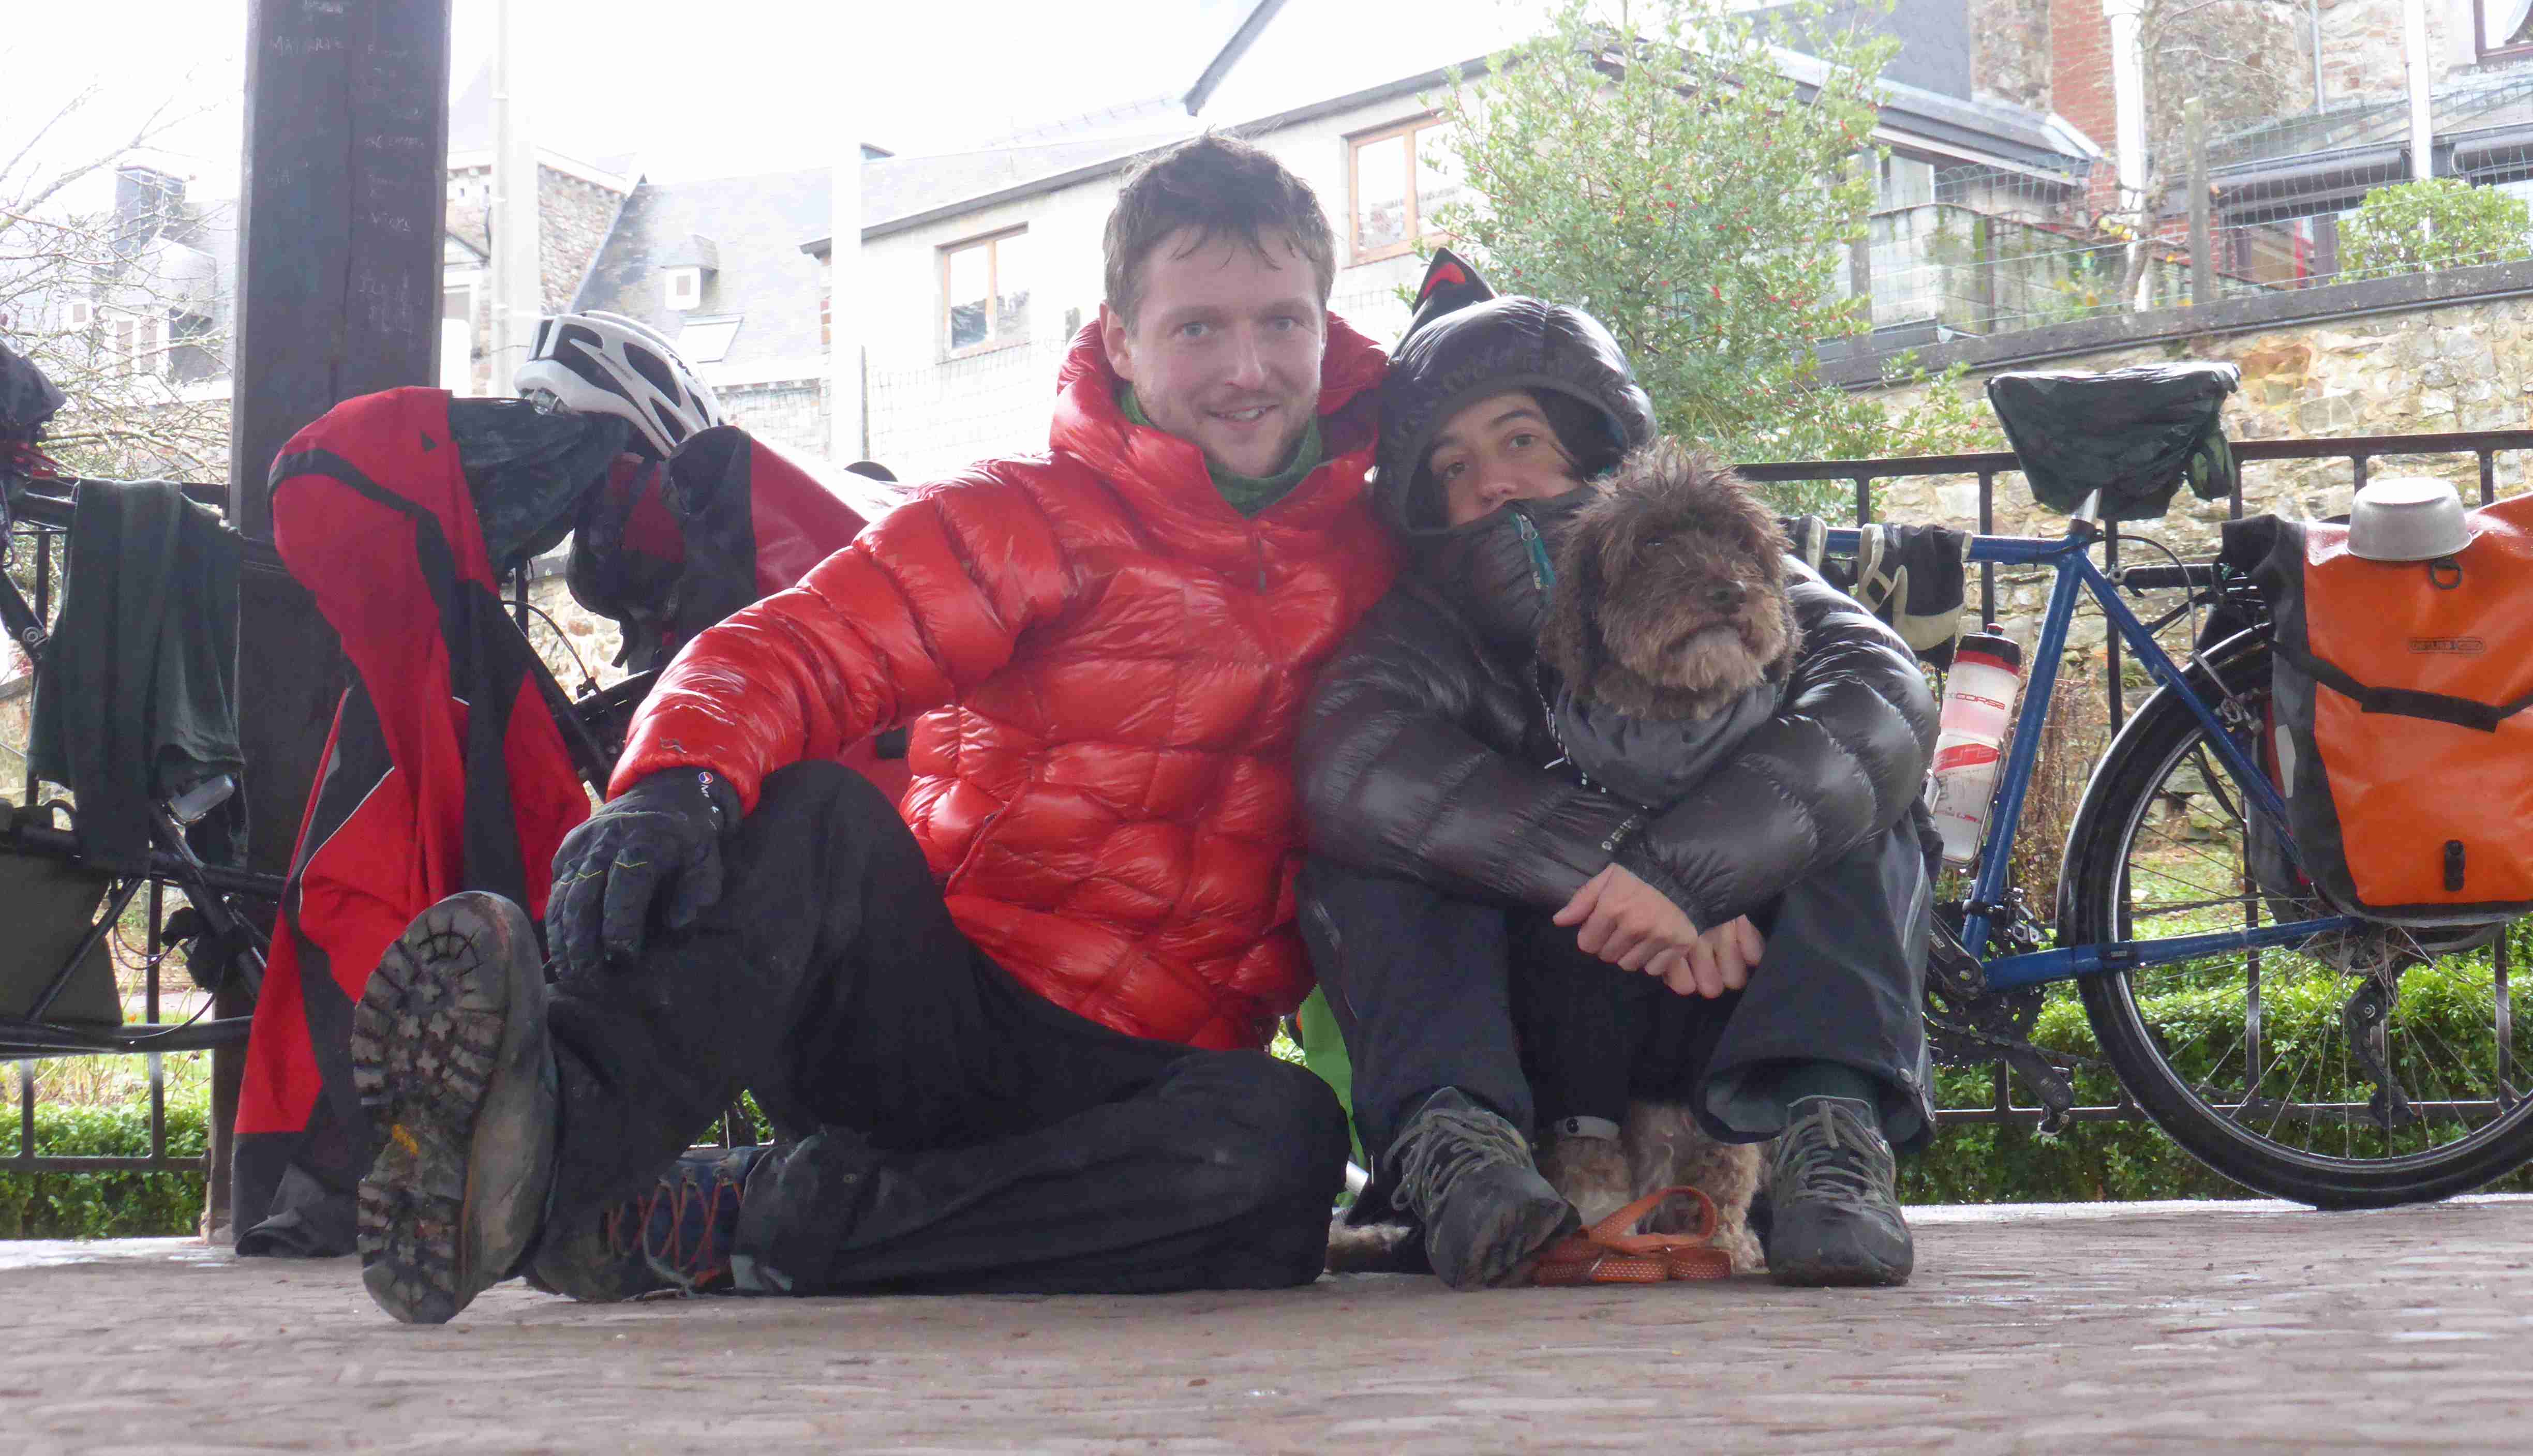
pixel 1367 1248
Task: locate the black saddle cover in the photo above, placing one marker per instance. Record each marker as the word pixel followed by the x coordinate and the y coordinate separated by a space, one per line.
pixel 2132 433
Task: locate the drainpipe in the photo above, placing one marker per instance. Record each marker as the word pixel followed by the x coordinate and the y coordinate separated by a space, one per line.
pixel 517 298
pixel 2414 47
pixel 2128 101
pixel 846 434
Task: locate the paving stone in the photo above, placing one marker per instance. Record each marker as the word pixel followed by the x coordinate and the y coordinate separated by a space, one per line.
pixel 2091 1328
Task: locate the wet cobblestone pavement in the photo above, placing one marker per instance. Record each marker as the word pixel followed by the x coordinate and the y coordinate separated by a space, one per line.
pixel 2166 1328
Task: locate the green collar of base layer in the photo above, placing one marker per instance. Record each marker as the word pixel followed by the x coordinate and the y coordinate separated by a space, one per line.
pixel 1247 493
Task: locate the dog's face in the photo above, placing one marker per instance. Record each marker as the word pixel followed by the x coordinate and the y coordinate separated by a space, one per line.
pixel 1671 588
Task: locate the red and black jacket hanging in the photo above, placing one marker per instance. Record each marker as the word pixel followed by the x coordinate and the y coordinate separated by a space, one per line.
pixel 446 769
pixel 444 772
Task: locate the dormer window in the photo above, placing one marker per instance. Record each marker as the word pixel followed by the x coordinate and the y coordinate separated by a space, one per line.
pixel 686 269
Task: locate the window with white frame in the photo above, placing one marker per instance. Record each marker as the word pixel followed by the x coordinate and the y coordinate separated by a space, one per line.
pixel 79 313
pixel 1398 178
pixel 986 292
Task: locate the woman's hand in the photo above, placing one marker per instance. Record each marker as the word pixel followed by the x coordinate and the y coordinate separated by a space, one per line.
pixel 1626 921
pixel 1719 960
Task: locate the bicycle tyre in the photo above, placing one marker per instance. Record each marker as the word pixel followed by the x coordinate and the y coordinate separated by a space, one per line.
pixel 2094 890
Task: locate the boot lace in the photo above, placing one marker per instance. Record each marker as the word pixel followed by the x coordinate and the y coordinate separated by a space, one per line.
pixel 1449 1144
pixel 1834 1155
pixel 682 1227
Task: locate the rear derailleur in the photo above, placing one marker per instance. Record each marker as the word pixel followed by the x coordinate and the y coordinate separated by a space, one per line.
pixel 1968 1024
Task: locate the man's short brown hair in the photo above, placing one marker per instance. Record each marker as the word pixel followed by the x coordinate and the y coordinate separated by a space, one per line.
pixel 1218 186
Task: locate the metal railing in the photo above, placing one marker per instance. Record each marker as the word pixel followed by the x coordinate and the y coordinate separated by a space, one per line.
pixel 1986 467
pixel 2359 450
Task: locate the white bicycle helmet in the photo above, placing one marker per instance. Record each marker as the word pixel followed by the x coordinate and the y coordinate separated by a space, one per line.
pixel 606 364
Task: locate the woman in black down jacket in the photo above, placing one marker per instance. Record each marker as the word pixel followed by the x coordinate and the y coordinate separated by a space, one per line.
pixel 1460 888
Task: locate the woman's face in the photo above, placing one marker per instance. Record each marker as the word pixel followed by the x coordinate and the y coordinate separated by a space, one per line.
pixel 1496 450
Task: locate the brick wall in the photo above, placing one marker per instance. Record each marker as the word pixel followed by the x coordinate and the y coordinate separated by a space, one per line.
pixel 2080 69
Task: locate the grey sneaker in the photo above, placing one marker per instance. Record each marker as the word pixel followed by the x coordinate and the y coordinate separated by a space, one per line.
pixel 452 1062
pixel 1467 1176
pixel 1835 1215
pixel 673 1237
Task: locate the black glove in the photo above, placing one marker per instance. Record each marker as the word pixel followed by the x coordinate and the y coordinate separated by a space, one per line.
pixel 658 842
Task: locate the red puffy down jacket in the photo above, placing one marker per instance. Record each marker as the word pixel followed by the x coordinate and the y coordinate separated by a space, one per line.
pixel 1110 665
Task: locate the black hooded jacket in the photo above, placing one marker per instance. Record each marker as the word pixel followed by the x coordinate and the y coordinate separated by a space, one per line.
pixel 1423 753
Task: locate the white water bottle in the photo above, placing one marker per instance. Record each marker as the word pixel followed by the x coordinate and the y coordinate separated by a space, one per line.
pixel 1969 743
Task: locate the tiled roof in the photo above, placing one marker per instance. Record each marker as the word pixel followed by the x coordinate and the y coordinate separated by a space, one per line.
pixel 757 225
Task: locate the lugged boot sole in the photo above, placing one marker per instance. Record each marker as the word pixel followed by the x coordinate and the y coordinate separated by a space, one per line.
pixel 447 1030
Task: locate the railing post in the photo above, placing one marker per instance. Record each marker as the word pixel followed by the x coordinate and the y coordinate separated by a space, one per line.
pixel 2202 262
pixel 1987 527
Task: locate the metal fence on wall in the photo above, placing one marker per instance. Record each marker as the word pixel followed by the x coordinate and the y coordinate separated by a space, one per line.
pixel 1981 251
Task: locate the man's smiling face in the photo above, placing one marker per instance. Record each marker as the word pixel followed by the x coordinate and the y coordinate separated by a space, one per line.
pixel 1224 347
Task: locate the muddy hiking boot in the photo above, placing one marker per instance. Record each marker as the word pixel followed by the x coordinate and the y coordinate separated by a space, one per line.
pixel 1835 1213
pixel 673 1237
pixel 453 1066
pixel 1466 1175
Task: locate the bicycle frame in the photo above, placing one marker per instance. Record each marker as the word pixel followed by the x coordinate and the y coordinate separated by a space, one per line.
pixel 2075 572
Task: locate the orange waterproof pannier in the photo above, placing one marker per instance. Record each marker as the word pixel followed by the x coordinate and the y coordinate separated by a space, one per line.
pixel 2401 739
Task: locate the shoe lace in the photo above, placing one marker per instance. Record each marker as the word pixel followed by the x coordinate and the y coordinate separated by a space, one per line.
pixel 1451 1142
pixel 681 1228
pixel 1833 1154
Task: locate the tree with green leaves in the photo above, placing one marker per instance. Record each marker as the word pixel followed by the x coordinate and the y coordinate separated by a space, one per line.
pixel 1687 172
pixel 2435 222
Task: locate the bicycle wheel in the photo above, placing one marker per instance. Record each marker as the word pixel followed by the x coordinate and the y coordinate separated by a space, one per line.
pixel 2375 1066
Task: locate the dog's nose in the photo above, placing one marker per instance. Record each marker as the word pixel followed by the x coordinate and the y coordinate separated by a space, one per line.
pixel 1726 595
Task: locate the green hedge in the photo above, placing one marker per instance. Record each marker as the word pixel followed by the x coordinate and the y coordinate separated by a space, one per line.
pixel 2446 1003
pixel 103 1205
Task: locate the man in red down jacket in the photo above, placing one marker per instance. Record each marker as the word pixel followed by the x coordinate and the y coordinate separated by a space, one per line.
pixel 1015 1031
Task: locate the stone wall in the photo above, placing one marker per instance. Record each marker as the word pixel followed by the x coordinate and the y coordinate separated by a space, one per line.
pixel 2463 366
pixel 573 217
pixel 2362 46
pixel 791 413
pixel 2010 52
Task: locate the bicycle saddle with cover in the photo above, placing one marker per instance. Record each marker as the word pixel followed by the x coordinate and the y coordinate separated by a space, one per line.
pixel 2134 435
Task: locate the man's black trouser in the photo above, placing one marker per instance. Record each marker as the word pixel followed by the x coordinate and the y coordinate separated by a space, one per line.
pixel 1020 1146
pixel 1434 992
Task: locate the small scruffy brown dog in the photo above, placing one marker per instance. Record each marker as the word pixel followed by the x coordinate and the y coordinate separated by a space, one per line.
pixel 1671 590
pixel 1669 606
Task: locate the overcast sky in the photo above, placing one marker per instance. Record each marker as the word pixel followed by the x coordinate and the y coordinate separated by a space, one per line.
pixel 696 87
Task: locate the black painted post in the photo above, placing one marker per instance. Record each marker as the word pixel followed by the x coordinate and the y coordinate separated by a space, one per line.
pixel 343 207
